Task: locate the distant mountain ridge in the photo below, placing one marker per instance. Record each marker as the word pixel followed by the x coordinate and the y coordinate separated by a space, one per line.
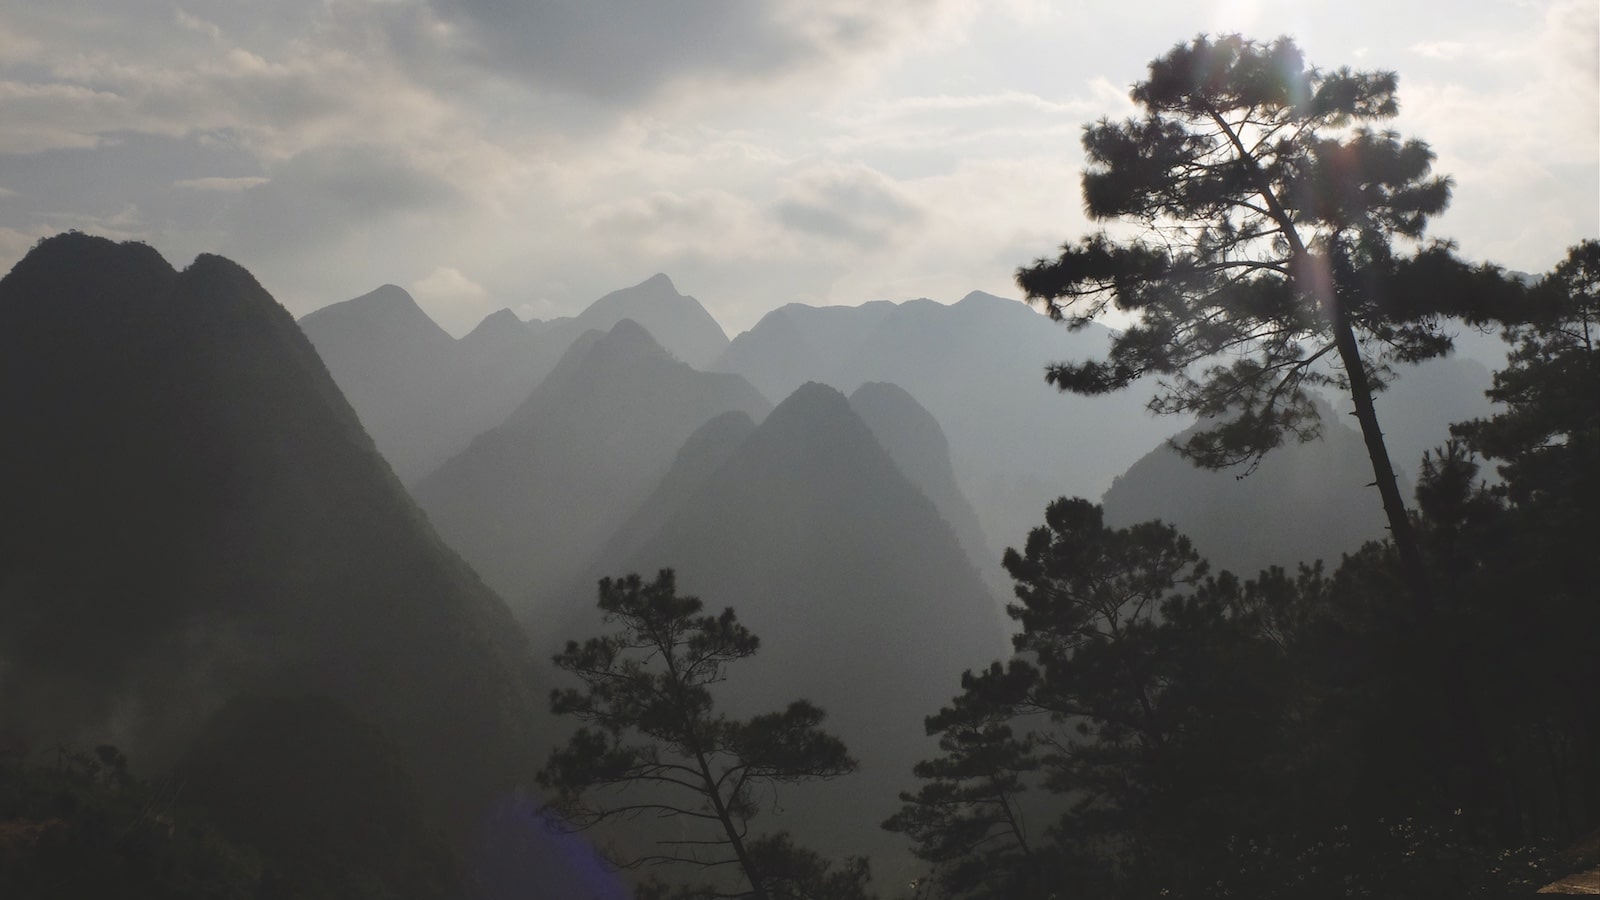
pixel 528 502
pixel 978 366
pixel 1304 502
pixel 425 395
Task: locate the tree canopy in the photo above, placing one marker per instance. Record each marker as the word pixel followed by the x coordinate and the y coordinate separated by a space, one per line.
pixel 1267 216
pixel 653 744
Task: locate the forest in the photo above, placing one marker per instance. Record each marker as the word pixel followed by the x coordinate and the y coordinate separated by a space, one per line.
pixel 612 607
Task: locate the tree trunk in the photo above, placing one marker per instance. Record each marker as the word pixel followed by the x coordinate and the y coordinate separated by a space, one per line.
pixel 1394 506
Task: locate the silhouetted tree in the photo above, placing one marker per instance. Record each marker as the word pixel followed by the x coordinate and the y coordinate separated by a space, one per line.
pixel 967 819
pixel 1268 211
pixel 1178 734
pixel 1136 681
pixel 654 744
pixel 1548 438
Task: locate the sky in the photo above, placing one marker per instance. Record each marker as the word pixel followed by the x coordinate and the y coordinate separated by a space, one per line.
pixel 536 154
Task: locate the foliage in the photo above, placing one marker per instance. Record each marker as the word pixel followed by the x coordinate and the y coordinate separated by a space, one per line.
pixel 1548 437
pixel 1267 206
pixel 1193 735
pixel 967 818
pixel 1135 678
pixel 654 745
pixel 81 826
pixel 1267 210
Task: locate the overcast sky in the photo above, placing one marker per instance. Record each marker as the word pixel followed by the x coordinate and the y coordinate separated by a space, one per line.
pixel 536 154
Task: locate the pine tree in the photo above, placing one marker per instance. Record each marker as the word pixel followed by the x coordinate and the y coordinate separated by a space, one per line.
pixel 1267 212
pixel 653 744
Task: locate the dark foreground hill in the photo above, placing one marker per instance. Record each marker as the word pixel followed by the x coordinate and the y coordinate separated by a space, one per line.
pixel 863 598
pixel 196 513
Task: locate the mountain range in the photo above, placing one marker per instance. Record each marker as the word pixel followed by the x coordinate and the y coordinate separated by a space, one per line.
pixel 978 367
pixel 530 501
pixel 424 395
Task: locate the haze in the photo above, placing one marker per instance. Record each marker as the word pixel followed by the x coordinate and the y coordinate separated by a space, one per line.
pixel 487 154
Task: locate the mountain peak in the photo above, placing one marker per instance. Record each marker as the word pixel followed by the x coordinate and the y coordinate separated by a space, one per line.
pixel 96 269
pixel 677 321
pixel 628 336
pixel 982 298
pixel 812 400
pixel 501 321
pixel 659 282
pixel 383 299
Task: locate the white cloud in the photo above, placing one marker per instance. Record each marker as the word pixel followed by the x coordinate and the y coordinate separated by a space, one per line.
pixel 1521 139
pixel 1441 49
pixel 222 184
pixel 446 293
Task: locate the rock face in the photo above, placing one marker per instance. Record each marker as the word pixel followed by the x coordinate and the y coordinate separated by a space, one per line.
pixel 1303 503
pixel 863 597
pixel 978 367
pixel 529 502
pixel 400 371
pixel 424 395
pixel 916 443
pixel 204 516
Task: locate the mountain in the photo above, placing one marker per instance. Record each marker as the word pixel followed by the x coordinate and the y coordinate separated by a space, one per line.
pixel 862 596
pixel 677 322
pixel 205 517
pixel 697 461
pixel 913 439
pixel 528 503
pixel 1303 503
pixel 399 370
pixel 978 367
pixel 420 393
pixel 424 395
pixel 797 343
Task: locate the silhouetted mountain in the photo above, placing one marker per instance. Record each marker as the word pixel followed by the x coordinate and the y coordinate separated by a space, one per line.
pixel 797 343
pixel 1303 503
pixel 399 370
pixel 530 502
pixel 424 395
pixel 978 367
pixel 916 443
pixel 864 600
pixel 202 514
pixel 677 322
pixel 697 461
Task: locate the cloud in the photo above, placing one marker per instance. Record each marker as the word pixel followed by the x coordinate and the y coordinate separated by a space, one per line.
pixel 222 184
pixel 448 294
pixel 321 194
pixel 852 205
pixel 447 283
pixel 1441 49
pixel 1520 136
pixel 628 51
